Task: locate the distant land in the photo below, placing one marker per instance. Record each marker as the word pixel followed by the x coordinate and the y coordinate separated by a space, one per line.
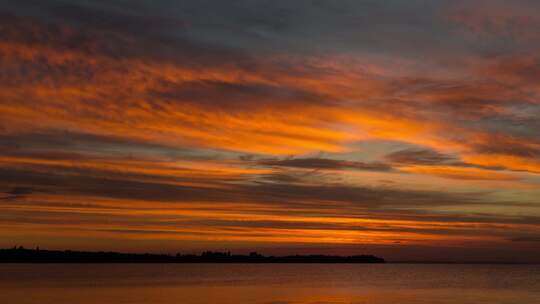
pixel 23 255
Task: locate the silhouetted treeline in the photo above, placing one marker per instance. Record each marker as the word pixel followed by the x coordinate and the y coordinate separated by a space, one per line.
pixel 22 255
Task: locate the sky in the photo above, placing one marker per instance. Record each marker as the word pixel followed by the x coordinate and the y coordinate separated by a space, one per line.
pixel 409 129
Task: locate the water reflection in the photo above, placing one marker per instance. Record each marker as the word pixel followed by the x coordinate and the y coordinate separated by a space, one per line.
pixel 269 284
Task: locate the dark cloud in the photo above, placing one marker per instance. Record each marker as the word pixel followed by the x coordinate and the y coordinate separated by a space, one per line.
pixel 111 40
pixel 282 178
pixel 325 163
pixel 420 157
pixel 293 196
pixel 17 192
pixel 235 96
pixel 494 144
pixel 429 157
pixel 20 191
pixel 131 21
pixel 519 122
pixel 526 239
pixel 395 27
pixel 77 146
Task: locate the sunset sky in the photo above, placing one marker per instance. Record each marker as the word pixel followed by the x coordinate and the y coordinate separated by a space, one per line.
pixel 404 128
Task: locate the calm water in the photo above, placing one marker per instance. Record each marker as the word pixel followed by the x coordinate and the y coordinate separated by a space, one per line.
pixel 269 284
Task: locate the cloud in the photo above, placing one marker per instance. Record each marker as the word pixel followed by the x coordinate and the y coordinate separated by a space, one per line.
pixel 431 162
pixel 235 96
pixel 324 163
pixel 526 239
pixel 20 191
pixel 17 192
pixel 498 19
pixel 191 185
pixel 420 156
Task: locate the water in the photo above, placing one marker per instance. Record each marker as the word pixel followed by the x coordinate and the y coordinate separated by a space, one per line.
pixel 269 284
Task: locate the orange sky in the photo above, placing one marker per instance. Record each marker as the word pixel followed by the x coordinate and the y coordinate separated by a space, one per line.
pixel 168 128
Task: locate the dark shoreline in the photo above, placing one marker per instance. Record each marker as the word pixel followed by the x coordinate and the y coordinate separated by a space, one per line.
pixel 22 255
